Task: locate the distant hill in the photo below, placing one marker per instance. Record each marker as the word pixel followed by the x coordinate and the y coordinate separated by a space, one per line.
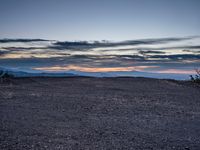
pixel 71 73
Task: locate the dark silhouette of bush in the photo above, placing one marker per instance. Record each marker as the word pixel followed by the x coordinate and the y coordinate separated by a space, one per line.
pixel 5 76
pixel 196 78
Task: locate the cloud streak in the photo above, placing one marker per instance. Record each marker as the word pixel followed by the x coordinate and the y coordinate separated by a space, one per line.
pixel 96 44
pixel 21 40
pixel 92 69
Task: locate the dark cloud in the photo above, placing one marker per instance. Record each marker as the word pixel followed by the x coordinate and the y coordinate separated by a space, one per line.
pixel 192 47
pixel 23 48
pixel 85 44
pixel 82 45
pixel 176 57
pixel 178 47
pixel 21 40
pixel 88 60
pixel 151 52
pixel 2 52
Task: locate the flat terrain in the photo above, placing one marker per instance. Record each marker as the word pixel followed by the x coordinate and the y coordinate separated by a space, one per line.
pixel 99 113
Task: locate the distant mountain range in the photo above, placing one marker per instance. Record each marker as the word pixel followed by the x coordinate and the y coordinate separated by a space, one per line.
pixel 16 73
pixel 73 73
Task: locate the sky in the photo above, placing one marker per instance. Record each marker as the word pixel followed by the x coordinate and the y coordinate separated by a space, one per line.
pixel 150 38
pixel 174 58
pixel 114 20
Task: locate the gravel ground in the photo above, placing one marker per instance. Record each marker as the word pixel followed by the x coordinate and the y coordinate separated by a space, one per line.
pixel 99 113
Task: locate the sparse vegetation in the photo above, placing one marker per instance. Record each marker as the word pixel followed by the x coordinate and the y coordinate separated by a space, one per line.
pixel 196 78
pixel 5 76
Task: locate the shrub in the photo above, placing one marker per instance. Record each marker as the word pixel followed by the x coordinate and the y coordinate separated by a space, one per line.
pixel 5 76
pixel 196 78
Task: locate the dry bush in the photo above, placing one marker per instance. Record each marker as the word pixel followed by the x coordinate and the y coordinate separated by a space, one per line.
pixel 196 78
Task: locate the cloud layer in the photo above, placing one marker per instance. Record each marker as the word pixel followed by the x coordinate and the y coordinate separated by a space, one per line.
pixel 165 55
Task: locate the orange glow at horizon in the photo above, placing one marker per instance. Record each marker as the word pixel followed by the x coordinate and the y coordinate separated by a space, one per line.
pixel 93 69
pixel 176 71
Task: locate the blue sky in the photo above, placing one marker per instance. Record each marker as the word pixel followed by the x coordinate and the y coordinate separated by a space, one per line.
pixel 115 20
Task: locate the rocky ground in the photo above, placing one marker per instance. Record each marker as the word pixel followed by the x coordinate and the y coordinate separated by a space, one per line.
pixel 99 113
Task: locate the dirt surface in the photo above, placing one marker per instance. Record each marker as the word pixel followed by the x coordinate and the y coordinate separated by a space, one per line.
pixel 99 113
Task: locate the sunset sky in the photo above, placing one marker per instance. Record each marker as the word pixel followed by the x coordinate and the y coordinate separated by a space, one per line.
pixel 153 38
